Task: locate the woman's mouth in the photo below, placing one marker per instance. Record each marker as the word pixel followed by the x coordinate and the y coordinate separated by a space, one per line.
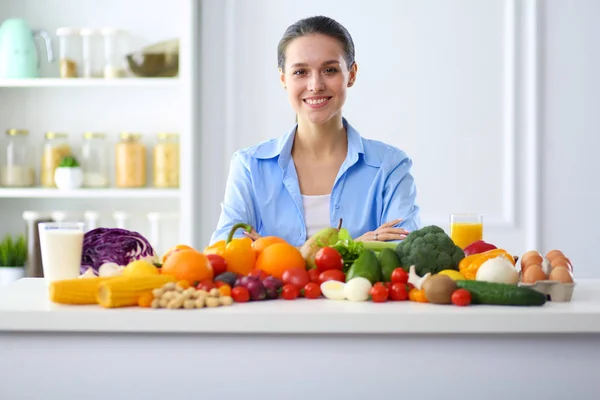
pixel 317 102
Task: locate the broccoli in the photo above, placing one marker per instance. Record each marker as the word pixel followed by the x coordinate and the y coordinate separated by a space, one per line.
pixel 429 249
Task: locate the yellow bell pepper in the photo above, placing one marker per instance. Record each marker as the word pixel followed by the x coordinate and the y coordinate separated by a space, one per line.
pixel 238 253
pixel 469 265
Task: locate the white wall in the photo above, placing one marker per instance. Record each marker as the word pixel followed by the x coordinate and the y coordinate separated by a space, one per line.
pixel 462 86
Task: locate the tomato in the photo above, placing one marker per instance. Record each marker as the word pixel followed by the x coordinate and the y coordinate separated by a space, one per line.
pixel 461 297
pixel 312 290
pixel 240 294
pixel 206 285
pixel 332 275
pixel 399 292
pixel 296 276
pixel 289 291
pixel 399 276
pixel 219 265
pixel 313 274
pixel 379 293
pixel 224 290
pixel 258 273
pixel 328 258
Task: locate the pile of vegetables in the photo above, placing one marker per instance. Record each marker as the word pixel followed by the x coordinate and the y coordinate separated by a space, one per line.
pixel 107 250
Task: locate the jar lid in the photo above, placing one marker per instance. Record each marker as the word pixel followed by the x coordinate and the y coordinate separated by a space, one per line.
pixel 88 32
pixel 56 135
pixel 66 31
pixel 14 132
pixel 167 135
pixel 130 135
pixel 93 135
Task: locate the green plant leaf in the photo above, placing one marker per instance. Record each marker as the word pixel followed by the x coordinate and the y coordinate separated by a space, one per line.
pixel 13 251
pixel 69 162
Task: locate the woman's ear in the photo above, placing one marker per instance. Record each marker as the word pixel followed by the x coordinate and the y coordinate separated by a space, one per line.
pixel 282 78
pixel 352 75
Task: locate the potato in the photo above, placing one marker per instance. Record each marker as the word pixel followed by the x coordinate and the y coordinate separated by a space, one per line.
pixel 439 288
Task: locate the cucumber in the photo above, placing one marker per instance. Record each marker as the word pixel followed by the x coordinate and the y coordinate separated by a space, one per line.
pixel 501 294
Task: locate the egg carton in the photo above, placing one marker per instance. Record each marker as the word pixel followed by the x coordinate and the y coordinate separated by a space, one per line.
pixel 554 290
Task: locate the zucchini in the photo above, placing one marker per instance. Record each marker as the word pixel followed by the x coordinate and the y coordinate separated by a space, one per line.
pixel 501 294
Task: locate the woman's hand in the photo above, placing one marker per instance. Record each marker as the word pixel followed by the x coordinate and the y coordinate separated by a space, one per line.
pixel 252 235
pixel 384 233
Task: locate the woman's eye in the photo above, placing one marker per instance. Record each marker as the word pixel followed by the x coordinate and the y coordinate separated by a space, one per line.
pixel 330 70
pixel 299 72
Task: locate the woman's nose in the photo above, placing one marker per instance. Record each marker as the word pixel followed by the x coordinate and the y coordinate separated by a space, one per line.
pixel 316 83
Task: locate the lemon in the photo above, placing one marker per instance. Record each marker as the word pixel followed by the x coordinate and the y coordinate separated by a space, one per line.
pixel 455 275
pixel 140 268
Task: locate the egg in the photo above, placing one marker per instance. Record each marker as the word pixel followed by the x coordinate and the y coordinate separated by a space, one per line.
pixel 561 274
pixel 333 290
pixel 562 262
pixel 357 289
pixel 533 274
pixel 552 254
pixel 529 258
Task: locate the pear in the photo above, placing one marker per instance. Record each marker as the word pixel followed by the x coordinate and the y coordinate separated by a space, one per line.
pixel 325 237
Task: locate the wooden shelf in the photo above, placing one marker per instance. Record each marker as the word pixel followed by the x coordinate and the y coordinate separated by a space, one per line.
pixel 110 193
pixel 87 83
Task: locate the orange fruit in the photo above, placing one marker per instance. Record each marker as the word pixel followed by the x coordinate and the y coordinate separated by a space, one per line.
pixel 278 257
pixel 188 265
pixel 173 249
pixel 262 243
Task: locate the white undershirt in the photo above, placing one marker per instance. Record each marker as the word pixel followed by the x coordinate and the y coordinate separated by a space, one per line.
pixel 316 213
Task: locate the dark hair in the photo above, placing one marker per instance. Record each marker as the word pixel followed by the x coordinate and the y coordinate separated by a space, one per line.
pixel 316 25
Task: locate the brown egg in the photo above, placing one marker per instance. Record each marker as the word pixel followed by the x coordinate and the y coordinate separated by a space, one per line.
pixel 552 254
pixel 533 274
pixel 562 262
pixel 561 274
pixel 530 258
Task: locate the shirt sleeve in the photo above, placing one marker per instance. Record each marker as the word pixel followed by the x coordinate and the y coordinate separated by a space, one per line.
pixel 399 197
pixel 238 204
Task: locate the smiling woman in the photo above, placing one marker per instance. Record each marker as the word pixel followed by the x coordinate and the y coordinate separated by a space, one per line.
pixel 322 170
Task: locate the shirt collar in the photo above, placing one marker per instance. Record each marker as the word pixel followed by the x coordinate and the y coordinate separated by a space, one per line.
pixel 282 147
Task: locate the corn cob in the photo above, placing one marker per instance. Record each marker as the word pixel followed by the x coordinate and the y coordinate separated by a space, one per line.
pixel 125 291
pixel 76 291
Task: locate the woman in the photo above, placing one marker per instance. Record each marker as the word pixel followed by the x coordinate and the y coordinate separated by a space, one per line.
pixel 322 170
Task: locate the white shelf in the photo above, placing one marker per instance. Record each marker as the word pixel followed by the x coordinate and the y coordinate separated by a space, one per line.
pixel 110 193
pixel 86 83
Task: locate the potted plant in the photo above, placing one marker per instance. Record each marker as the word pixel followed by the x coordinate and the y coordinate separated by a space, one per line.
pixel 68 174
pixel 13 254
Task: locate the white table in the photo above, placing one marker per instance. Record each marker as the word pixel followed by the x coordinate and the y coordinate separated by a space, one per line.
pixel 302 349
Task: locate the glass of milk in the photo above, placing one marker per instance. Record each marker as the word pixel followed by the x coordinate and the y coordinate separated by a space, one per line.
pixel 61 245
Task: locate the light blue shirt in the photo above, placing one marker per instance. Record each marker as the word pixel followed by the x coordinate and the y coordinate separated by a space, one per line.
pixel 373 186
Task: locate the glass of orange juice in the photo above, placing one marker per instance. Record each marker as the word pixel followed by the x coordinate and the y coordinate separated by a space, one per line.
pixel 466 229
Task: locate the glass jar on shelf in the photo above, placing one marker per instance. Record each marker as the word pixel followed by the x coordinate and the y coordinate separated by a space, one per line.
pixel 130 161
pixel 70 52
pixel 91 53
pixel 166 161
pixel 56 146
pixel 95 160
pixel 17 169
pixel 115 50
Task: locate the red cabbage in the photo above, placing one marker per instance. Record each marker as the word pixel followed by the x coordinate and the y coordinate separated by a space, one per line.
pixel 114 245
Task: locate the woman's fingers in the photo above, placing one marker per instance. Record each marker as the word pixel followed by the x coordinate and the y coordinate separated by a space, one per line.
pixel 386 234
pixel 252 235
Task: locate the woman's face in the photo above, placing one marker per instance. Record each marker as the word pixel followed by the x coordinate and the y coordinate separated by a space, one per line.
pixel 316 77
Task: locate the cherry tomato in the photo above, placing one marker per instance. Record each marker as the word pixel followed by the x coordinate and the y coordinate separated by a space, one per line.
pixel 296 276
pixel 224 290
pixel 332 275
pixel 399 276
pixel 328 258
pixel 240 294
pixel 206 285
pixel 289 291
pixel 399 292
pixel 312 290
pixel 258 273
pixel 461 297
pixel 313 274
pixel 379 293
pixel 219 265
